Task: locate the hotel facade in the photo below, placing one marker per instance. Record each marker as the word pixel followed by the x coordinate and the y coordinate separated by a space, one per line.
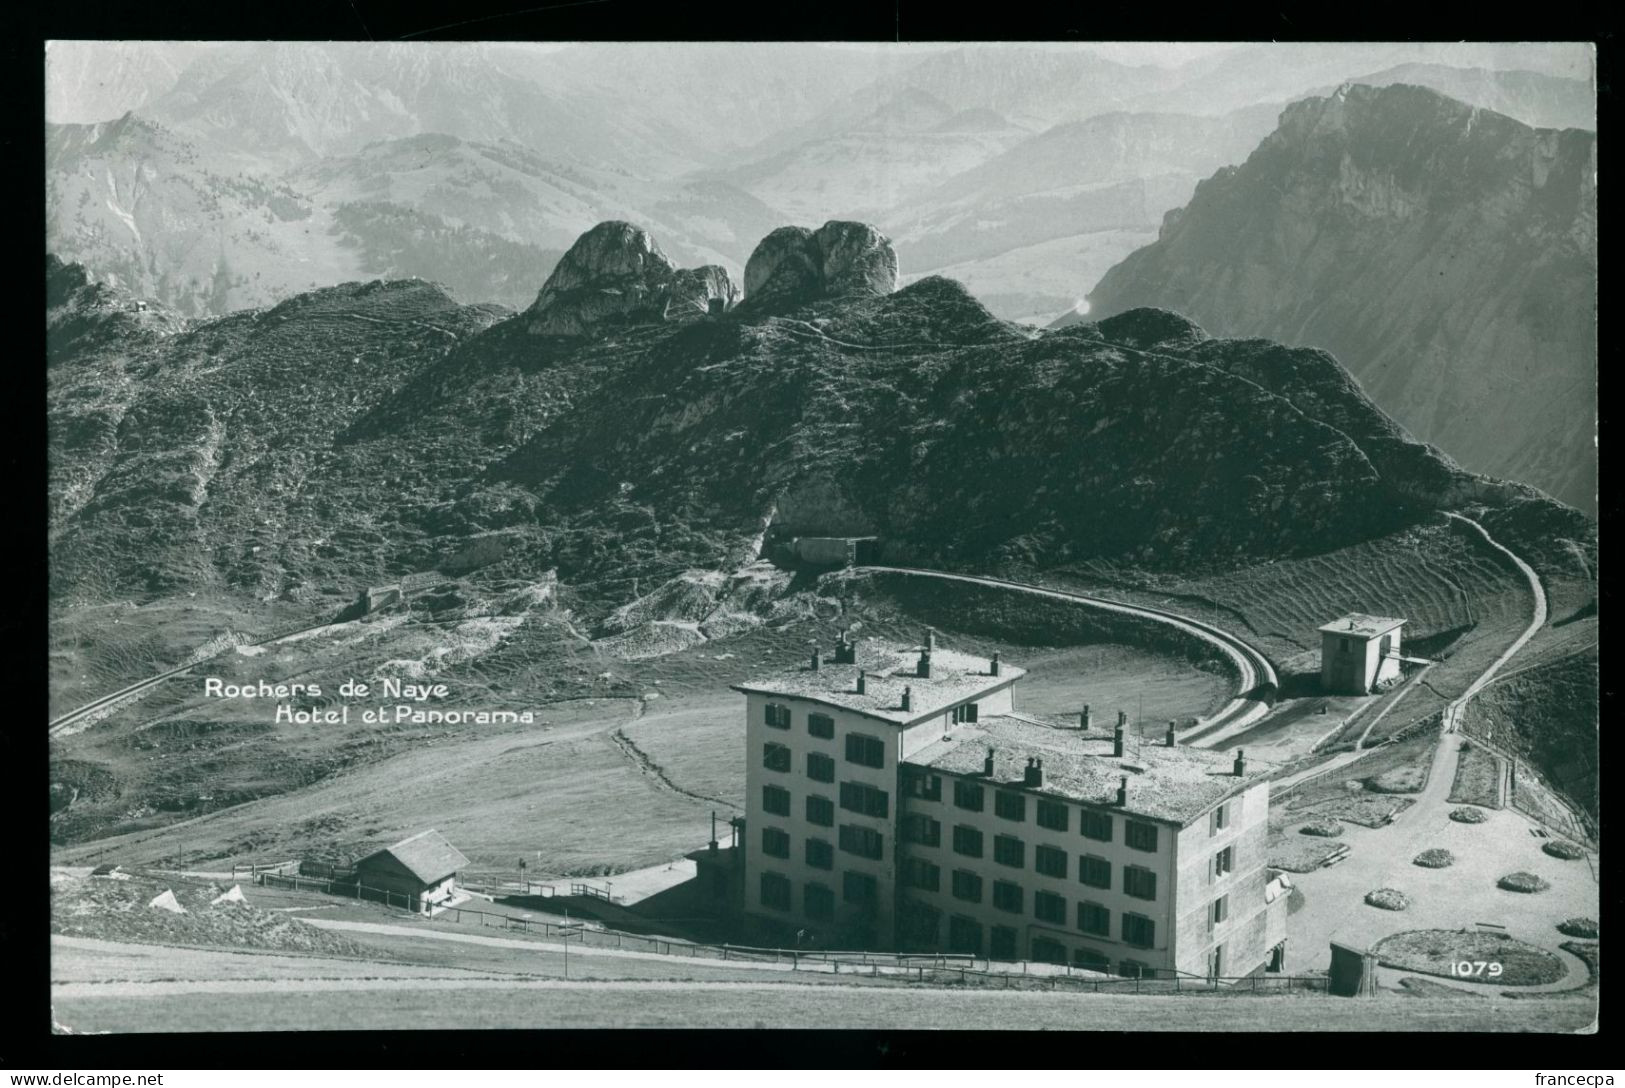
pixel 898 800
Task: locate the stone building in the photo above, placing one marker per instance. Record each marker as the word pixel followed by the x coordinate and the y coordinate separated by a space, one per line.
pixel 1359 652
pixel 419 872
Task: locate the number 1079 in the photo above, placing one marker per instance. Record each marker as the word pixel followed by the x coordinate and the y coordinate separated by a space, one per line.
pixel 1473 968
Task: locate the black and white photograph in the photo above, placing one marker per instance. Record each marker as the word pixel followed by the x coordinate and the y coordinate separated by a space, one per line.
pixel 1097 536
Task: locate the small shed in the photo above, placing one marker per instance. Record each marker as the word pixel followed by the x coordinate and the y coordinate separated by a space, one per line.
pixel 1358 652
pixel 421 870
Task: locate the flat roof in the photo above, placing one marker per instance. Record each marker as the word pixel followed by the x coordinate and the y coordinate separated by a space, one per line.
pixel 1173 785
pixel 955 678
pixel 1358 623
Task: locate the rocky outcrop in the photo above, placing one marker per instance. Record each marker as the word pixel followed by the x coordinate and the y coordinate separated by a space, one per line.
pixel 615 275
pixel 795 264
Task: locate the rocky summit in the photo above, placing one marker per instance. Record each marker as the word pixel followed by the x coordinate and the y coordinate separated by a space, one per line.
pixel 615 273
pixel 794 264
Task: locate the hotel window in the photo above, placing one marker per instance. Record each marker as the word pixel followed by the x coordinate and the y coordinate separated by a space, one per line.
pixel 1090 960
pixel 1052 814
pixel 1218 911
pixel 1009 850
pixel 1048 950
pixel 967 886
pixel 1224 861
pixel 1140 836
pixel 964 935
pixel 964 713
pixel 820 854
pixel 857 797
pixel 1008 896
pixel 967 841
pixel 1139 883
pixel 1093 871
pixel 818 900
pixel 921 874
pixel 968 795
pixel 1049 907
pixel 775 843
pixel 1002 945
pixel 776 800
pixel 1010 806
pixel 778 716
pixel 820 768
pixel 775 891
pixel 1095 825
pixel 1094 918
pixel 820 811
pixel 821 725
pixel 927 787
pixel 865 842
pixel 1345 645
pixel 1136 969
pixel 921 924
pixel 922 830
pixel 859 888
pixel 865 750
pixel 1220 819
pixel 775 757
pixel 1139 931
pixel 1050 860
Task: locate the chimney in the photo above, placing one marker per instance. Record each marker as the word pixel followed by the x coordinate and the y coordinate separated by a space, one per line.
pixel 908 697
pixel 995 662
pixel 1117 737
pixel 923 669
pixel 1171 740
pixel 1083 719
pixel 817 658
pixel 1033 775
pixel 930 639
pixel 863 681
pixel 987 764
pixel 1122 790
pixel 1241 762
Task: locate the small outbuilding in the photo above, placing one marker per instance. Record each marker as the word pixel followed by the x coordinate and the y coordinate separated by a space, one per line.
pixel 1359 652
pixel 417 873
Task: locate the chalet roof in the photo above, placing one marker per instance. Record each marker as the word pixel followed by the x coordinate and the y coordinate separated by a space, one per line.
pixel 1361 625
pixel 955 678
pixel 426 855
pixel 1169 784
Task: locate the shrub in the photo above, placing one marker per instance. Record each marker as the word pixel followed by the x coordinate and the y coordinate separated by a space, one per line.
pixel 1557 848
pixel 1326 828
pixel 1578 927
pixel 1388 899
pixel 1468 815
pixel 1436 858
pixel 1522 882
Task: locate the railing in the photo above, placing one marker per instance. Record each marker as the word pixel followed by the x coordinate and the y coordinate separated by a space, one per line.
pixel 414 903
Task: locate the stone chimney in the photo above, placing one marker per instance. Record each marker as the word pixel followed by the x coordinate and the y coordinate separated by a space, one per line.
pixel 817 658
pixel 987 764
pixel 1171 740
pixel 908 697
pixel 923 669
pixel 1241 763
pixel 996 666
pixel 1117 738
pixel 930 639
pixel 1083 718
pixel 1033 774
pixel 863 681
pixel 1122 790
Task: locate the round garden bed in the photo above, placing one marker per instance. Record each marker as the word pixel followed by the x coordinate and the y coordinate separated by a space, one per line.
pixel 1522 882
pixel 1458 954
pixel 1468 815
pixel 1578 927
pixel 1326 828
pixel 1387 899
pixel 1557 848
pixel 1436 858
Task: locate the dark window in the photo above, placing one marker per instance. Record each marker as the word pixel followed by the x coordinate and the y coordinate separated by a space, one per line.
pixel 866 750
pixel 778 716
pixel 919 873
pixel 1218 911
pixel 1220 819
pixel 927 787
pixel 820 768
pixel 964 935
pixel 820 854
pixel 1140 836
pixel 1002 946
pixel 968 795
pixel 921 924
pixel 1010 806
pixel 1138 882
pixel 1052 814
pixel 1090 960
pixel 1095 825
pixel 859 888
pixel 775 891
pixel 1009 850
pixel 967 886
pixel 922 830
pixel 775 843
pixel 775 757
pixel 1008 896
pixel 1345 647
pixel 1094 918
pixel 1135 969
pixel 1139 931
pixel 1048 950
pixel 821 725
pixel 865 842
pixel 964 713
pixel 1049 907
pixel 1224 861
pixel 1050 860
pixel 1093 871
pixel 776 800
pixel 857 797
pixel 819 900
pixel 820 811
pixel 967 841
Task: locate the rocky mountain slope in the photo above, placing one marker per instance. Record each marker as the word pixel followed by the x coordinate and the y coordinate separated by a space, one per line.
pixel 1446 255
